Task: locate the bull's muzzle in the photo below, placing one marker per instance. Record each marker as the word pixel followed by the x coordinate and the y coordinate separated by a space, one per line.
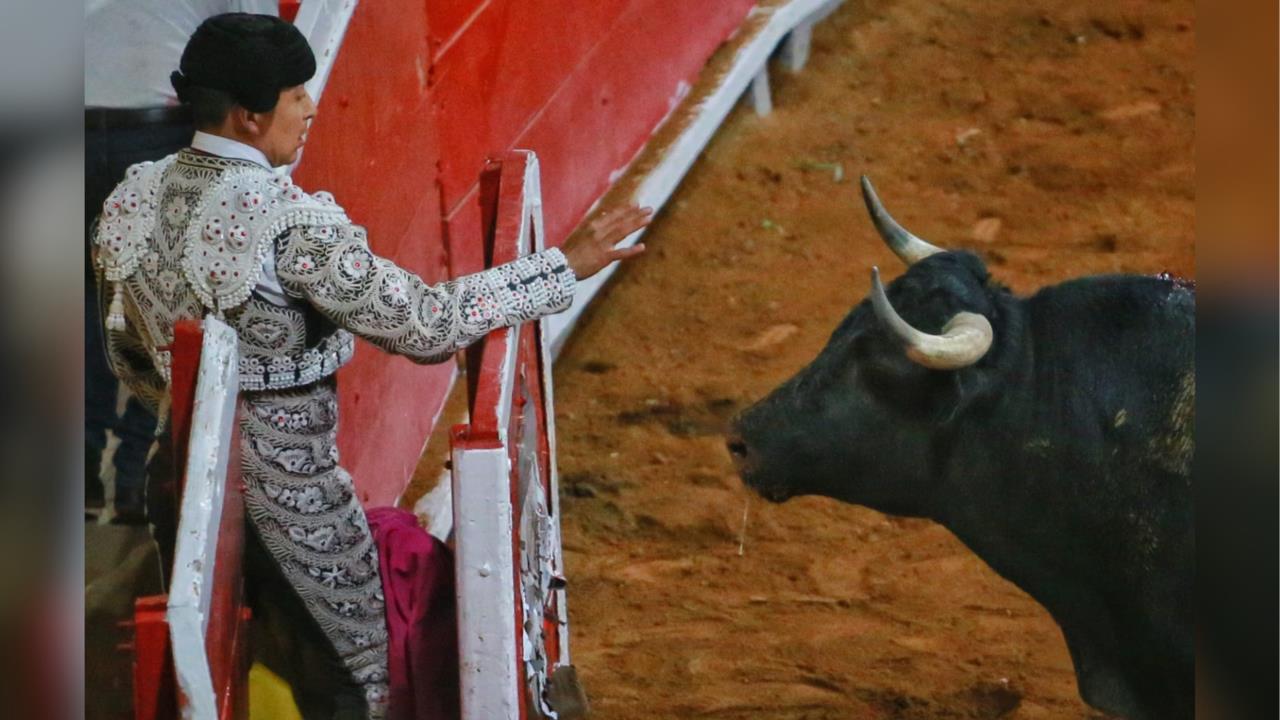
pixel 738 451
pixel 744 460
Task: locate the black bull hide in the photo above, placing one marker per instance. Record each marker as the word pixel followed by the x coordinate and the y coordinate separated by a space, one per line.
pixel 1061 457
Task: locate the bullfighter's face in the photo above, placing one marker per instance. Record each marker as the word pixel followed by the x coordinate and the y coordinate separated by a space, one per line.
pixel 283 131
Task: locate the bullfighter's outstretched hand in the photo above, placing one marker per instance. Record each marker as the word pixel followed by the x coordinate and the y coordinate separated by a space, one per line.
pixel 591 248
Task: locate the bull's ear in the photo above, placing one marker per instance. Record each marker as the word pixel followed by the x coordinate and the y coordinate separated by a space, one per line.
pixel 886 373
pixel 933 396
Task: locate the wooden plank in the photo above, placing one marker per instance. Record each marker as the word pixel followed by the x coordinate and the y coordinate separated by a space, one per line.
pixel 191 590
pixel 795 49
pixel 154 695
pixel 485 578
pixel 226 637
pixel 611 81
pixel 760 96
pixel 503 490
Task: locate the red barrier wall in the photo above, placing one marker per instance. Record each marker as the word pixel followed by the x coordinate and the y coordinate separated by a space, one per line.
pixel 423 92
pixel 374 146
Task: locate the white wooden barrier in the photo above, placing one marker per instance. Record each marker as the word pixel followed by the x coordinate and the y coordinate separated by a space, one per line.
pixel 192 590
pixel 512 618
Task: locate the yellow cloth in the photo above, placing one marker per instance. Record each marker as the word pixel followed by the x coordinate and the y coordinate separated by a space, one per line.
pixel 270 697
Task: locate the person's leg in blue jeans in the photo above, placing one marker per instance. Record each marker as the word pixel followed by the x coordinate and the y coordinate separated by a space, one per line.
pixel 136 430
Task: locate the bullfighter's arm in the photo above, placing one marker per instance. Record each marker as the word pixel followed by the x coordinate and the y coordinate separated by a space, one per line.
pixel 333 268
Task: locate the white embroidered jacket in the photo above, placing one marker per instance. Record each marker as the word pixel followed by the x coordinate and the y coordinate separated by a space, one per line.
pixel 195 233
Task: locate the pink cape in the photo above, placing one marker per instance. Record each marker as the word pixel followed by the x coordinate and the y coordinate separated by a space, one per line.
pixel 422 634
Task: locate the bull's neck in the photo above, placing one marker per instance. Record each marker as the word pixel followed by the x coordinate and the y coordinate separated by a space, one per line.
pixel 973 446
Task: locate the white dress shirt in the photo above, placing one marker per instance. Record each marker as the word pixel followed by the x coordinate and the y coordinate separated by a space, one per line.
pixel 131 46
pixel 228 148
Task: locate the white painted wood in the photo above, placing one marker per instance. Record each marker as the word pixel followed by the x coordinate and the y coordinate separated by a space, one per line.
pixel 825 11
pixel 190 592
pixel 485 580
pixel 760 97
pixel 795 49
pixel 483 529
pixel 437 505
pixel 324 24
pixel 660 182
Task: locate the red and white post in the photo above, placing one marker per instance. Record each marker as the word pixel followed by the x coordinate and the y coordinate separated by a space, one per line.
pixel 512 621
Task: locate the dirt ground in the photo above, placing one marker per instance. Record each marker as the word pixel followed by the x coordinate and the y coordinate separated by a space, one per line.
pixel 1056 139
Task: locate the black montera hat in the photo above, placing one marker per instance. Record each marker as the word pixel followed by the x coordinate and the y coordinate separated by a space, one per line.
pixel 250 57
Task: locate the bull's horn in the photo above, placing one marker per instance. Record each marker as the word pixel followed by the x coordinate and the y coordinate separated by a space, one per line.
pixel 964 339
pixel 903 244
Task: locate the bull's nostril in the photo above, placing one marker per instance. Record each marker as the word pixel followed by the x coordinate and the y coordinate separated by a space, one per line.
pixel 737 448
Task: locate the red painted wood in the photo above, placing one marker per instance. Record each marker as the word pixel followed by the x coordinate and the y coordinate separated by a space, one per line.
pixel 226 641
pixel 449 17
pixel 487 357
pixel 598 93
pixel 531 377
pixel 373 143
pixel 388 406
pixel 510 211
pixel 233 700
pixel 154 688
pixel 499 73
pixel 602 116
pixel 480 258
pixel 514 435
pixel 289 9
pixel 185 365
pixel 503 216
pixel 466 256
pixel 461 438
pixel 155 692
pixel 374 146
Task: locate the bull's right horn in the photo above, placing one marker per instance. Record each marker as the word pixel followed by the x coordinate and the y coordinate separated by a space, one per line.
pixel 906 246
pixel 964 339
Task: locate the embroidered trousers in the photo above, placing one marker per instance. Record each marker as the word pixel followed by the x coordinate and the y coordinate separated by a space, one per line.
pixel 305 511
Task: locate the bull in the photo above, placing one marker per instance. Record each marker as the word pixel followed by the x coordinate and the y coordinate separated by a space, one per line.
pixel 1051 434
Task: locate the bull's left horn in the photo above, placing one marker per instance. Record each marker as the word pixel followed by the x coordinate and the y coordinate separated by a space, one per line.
pixel 906 246
pixel 964 340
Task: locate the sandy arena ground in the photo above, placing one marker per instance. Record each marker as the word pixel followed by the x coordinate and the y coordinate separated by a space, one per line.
pixel 1054 138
